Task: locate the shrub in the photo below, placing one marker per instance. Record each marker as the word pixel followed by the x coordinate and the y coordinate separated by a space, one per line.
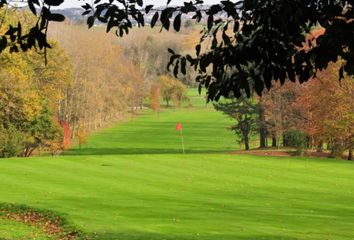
pixel 296 139
pixel 10 141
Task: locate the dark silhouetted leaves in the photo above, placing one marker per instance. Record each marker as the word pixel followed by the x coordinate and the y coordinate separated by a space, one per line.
pixel 197 49
pixel 56 17
pixel 90 21
pixel 268 40
pixel 53 2
pixel 177 22
pixel 32 8
pixel 139 2
pixel 154 19
pixel 148 8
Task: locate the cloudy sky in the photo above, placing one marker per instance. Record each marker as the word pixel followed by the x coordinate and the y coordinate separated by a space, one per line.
pixel 78 3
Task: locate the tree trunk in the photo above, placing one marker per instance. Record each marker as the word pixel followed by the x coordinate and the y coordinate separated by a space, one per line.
pixel 312 142
pixel 337 149
pixel 262 128
pixel 247 144
pixel 350 155
pixel 285 142
pixel 262 138
pixel 30 152
pixel 274 141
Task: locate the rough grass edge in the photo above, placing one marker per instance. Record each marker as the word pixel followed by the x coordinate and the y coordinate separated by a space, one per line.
pixel 54 224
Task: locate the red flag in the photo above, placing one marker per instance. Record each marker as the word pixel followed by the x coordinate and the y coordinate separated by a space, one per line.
pixel 179 126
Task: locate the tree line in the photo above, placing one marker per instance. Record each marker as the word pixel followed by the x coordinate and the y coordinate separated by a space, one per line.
pixel 317 115
pixel 29 96
pixel 90 81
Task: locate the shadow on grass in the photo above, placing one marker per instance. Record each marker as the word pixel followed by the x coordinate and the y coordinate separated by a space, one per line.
pixel 127 151
pixel 154 236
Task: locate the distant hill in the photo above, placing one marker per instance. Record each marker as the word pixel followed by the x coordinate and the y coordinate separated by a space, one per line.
pixel 73 14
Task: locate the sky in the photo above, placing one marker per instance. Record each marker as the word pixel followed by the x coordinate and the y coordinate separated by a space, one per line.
pixel 78 3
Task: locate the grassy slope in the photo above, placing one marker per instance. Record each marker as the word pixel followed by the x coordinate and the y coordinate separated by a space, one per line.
pixel 150 191
pixel 204 130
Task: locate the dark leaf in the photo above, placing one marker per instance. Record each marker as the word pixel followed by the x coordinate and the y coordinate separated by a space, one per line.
pixel 11 31
pixel 175 70
pixel 32 8
pixel 19 30
pixel 154 19
pixel 225 38
pixel 141 19
pixel 165 17
pixel 214 9
pixel 35 2
pixel 236 26
pixel 14 48
pixel 86 12
pixel 148 8
pixel 56 17
pixel 110 24
pixel 53 2
pixel 86 6
pixel 139 2
pixel 200 88
pixel 90 21
pixel 177 22
pixel 171 51
pixel 189 58
pixel 197 49
pixel 210 22
pixel 3 43
pixel 183 66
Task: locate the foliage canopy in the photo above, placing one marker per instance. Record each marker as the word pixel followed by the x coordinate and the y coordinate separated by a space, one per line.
pixel 251 41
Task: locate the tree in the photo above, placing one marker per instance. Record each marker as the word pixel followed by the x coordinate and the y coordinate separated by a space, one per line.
pixel 327 110
pixel 81 135
pixel 155 98
pixel 244 111
pixel 279 114
pixel 66 134
pixel 259 40
pixel 99 93
pixel 166 86
pixel 179 93
pixel 10 141
pixel 312 115
pixel 262 125
pixel 172 89
pixel 29 96
pixel 40 132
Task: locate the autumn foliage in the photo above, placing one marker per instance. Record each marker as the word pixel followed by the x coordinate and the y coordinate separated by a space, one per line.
pixel 155 98
pixel 313 116
pixel 66 136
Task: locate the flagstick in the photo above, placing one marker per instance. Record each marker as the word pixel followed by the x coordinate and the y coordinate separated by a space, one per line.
pixel 182 140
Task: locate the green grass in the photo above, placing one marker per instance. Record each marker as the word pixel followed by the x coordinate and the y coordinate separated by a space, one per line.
pixel 131 182
pixel 34 223
pixel 14 230
pixel 204 130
